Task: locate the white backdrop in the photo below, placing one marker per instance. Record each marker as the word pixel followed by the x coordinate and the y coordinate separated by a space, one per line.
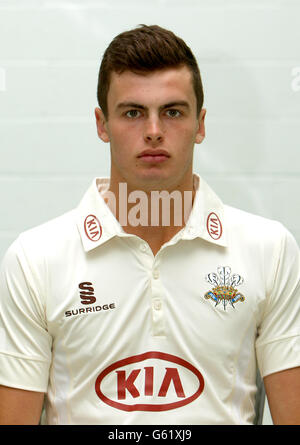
pixel 50 51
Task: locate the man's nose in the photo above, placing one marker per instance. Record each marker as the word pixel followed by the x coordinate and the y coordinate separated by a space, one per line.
pixel 153 131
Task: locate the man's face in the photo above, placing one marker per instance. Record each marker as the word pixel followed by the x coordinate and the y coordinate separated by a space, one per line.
pixel 152 128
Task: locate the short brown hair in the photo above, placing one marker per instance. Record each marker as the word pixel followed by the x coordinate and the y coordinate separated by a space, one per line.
pixel 145 49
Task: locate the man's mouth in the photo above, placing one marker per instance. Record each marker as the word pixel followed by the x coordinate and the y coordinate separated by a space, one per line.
pixel 154 156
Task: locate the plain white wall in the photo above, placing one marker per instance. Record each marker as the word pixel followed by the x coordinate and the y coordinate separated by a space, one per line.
pixel 50 51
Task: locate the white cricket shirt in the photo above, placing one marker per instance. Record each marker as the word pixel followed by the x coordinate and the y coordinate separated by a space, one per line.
pixel 114 335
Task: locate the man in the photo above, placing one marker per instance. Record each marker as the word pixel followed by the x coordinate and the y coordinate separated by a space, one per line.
pixel 121 318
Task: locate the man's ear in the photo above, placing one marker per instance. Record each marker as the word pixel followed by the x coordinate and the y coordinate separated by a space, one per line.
pixel 201 127
pixel 101 124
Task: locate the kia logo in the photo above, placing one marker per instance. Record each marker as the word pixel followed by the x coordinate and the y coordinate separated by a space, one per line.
pixel 214 226
pixel 156 380
pixel 92 228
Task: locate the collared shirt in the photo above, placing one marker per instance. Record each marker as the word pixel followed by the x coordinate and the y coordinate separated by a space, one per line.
pixel 116 335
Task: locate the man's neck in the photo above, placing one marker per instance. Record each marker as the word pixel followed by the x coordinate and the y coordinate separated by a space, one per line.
pixel 154 216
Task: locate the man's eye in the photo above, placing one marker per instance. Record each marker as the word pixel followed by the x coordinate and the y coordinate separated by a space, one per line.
pixel 173 113
pixel 133 113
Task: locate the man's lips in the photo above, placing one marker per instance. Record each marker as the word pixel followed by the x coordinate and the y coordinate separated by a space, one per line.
pixel 153 156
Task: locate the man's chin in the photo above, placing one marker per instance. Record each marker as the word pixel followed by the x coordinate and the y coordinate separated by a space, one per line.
pixel 149 182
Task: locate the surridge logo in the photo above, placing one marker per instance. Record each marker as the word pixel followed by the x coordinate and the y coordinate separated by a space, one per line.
pixel 152 381
pixel 87 293
pixel 87 297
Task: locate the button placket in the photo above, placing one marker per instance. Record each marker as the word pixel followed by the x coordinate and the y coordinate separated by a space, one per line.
pixel 158 318
pixel 155 274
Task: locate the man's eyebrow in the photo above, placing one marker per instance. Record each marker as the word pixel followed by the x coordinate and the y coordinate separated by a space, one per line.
pixel 181 103
pixel 176 103
pixel 129 105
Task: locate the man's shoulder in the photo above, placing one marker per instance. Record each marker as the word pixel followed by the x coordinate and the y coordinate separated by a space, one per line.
pixel 247 217
pixel 253 227
pixel 46 238
pixel 56 228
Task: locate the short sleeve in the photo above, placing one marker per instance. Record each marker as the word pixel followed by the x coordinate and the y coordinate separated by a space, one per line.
pixel 278 341
pixel 25 344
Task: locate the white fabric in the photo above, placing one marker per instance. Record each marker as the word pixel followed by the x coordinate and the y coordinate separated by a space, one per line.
pixel 114 335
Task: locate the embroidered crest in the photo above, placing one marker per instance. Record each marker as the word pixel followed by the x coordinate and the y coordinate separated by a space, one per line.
pixel 224 291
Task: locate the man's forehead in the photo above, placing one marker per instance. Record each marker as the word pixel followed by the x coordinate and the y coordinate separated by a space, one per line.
pixel 164 74
pixel 174 84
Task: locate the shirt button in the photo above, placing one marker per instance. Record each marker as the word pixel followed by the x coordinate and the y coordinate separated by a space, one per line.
pixel 155 274
pixel 157 305
pixel 143 247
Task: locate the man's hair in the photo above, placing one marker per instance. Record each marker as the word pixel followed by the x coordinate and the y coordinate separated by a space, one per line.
pixel 142 50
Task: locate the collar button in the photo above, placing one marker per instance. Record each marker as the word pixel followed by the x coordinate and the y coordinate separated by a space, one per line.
pixel 143 247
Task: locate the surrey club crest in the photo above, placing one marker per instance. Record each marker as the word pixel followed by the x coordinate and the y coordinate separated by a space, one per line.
pixel 224 290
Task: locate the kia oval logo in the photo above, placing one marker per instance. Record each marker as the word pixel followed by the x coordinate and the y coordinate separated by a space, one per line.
pixel 92 228
pixel 158 381
pixel 214 226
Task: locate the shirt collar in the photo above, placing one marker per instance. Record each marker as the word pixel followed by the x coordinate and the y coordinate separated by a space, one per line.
pixel 97 224
pixel 207 218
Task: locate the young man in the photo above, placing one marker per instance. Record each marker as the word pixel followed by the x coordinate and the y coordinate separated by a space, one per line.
pixel 129 310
